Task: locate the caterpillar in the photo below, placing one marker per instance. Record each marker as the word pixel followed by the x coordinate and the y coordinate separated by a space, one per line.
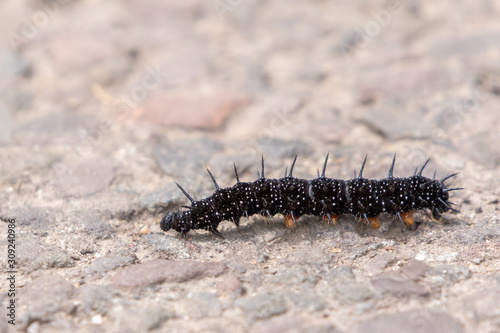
pixel 325 197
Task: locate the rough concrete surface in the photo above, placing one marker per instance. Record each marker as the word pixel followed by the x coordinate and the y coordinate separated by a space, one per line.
pixel 104 104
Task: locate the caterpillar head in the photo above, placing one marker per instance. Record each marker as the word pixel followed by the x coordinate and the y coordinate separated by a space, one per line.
pixel 168 221
pixel 176 221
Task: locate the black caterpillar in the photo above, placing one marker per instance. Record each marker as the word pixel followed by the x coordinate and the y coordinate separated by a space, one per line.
pixel 325 197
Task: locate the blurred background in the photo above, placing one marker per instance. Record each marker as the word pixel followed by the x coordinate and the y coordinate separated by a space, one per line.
pixel 180 85
pixel 103 104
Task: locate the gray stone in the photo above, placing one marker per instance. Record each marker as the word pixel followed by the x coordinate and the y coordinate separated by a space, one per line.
pixel 307 301
pixel 255 277
pixel 13 64
pixel 262 306
pixel 160 271
pixel 263 257
pixel 102 265
pixel 139 319
pixel 478 259
pixel 171 247
pixel 65 128
pixel 91 224
pixel 186 63
pixel 451 273
pixel 309 73
pixel 350 41
pixel 168 196
pixel 81 245
pixel 34 254
pixel 352 291
pixel 415 269
pixel 44 297
pixel 340 273
pixel 7 124
pixel 282 149
pixel 325 328
pixel 59 322
pixel 413 321
pixel 17 100
pixel 399 286
pixel 223 164
pixel 108 71
pixel 256 79
pixel 88 176
pixel 242 269
pixel 185 156
pixel 381 261
pixel 484 304
pixel 487 81
pixel 203 305
pixel 267 235
pixel 391 124
pixel 278 324
pixel 331 123
pixel 52 259
pixel 92 299
pixel 398 86
pixel 39 219
pixel 364 307
pixel 307 255
pixel 22 166
pixel 362 249
pixel 470 46
pixel 476 235
pixel 484 148
pixel 295 275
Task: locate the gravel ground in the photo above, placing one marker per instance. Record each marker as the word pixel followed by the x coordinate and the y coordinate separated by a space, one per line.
pixel 104 104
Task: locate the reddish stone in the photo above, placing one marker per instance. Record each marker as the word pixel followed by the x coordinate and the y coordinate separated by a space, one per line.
pixel 381 261
pixel 46 295
pixel 191 111
pixel 413 321
pixel 399 286
pixel 415 269
pixel 230 285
